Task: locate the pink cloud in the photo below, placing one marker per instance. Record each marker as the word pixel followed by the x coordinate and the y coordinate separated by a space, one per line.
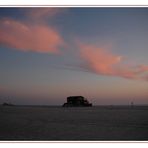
pixel 103 62
pixel 29 37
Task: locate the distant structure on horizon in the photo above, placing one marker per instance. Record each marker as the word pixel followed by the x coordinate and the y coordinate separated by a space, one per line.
pixel 132 103
pixel 76 101
pixel 7 104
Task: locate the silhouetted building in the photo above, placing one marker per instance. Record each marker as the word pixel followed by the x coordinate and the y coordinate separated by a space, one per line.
pixel 7 104
pixel 74 101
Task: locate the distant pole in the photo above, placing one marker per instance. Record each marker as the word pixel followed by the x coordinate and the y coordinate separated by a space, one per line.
pixel 132 104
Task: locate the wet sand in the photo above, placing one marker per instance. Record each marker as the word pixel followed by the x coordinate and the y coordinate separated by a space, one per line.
pixel 74 123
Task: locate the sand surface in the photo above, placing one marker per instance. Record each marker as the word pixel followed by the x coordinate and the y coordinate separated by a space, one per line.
pixel 76 123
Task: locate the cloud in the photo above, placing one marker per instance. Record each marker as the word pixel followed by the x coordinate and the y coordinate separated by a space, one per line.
pixel 29 37
pixel 32 33
pixel 101 61
pixel 43 14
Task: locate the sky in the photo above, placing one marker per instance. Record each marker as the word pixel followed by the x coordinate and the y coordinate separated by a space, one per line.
pixel 48 54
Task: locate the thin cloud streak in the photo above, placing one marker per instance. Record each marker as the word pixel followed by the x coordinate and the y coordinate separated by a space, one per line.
pixel 101 61
pixel 42 14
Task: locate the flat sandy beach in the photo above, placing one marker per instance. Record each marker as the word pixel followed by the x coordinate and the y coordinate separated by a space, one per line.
pixel 74 123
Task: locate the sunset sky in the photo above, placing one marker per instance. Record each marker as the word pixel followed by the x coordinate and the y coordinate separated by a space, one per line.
pixel 48 54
